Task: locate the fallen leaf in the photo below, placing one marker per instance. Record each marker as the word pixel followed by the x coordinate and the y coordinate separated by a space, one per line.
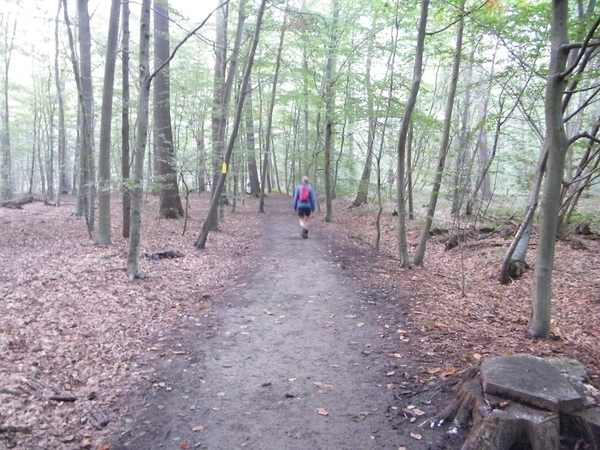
pixel 360 324
pixel 449 371
pixel 416 436
pixel 394 355
pixel 179 352
pixel 322 412
pixel 389 374
pixel 350 316
pixel 104 447
pixel 322 385
pixel 268 313
pixel 477 356
pixel 185 445
pixel 433 370
pixel 199 428
pixel 440 325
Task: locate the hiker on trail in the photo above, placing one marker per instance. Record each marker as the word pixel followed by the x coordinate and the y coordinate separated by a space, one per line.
pixel 304 204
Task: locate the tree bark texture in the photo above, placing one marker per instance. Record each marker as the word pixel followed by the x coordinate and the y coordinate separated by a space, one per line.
pixel 7 179
pixel 125 127
pixel 556 143
pixel 88 184
pixel 222 95
pixel 214 203
pixel 104 232
pixel 419 255
pixel 365 179
pixel 62 134
pixel 251 144
pixel 270 111
pixel 329 96
pixel 402 136
pixel 133 256
pixel 170 201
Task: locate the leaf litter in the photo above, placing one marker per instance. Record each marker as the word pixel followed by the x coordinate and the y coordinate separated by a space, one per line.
pixel 73 326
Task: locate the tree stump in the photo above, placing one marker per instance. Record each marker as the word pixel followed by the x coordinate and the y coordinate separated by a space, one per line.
pixel 525 402
pixel 516 269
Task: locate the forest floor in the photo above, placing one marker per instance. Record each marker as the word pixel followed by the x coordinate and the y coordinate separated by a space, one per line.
pixel 263 340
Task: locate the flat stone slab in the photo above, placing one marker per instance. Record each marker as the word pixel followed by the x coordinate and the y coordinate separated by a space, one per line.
pixel 531 380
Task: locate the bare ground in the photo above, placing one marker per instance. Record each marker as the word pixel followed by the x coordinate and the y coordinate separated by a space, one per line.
pixel 263 340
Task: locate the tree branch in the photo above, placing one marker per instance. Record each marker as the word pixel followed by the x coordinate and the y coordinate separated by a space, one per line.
pixel 183 41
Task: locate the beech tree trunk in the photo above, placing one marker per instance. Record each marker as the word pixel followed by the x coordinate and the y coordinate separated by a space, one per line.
pixel 125 127
pixel 6 179
pixel 404 128
pixel 556 144
pixel 419 255
pixel 62 134
pixel 261 206
pixel 223 87
pixel 104 237
pixel 170 201
pixel 365 179
pixel 329 96
pixel 87 113
pixel 141 137
pixel 214 203
pixel 250 145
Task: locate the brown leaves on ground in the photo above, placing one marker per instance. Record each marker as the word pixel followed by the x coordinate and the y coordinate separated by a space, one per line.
pixel 454 327
pixel 72 324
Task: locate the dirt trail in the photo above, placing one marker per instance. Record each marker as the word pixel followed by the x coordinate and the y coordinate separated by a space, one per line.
pixel 291 356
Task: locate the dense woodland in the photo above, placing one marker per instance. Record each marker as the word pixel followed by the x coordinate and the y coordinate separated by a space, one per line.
pixel 483 104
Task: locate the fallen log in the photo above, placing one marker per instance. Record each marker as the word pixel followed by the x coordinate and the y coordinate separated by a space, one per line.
pixel 14 429
pixel 63 398
pixel 16 203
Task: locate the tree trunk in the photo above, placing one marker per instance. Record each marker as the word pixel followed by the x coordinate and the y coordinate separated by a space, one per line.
pixel 141 137
pixel 254 188
pixel 518 249
pixel 87 113
pixel 365 179
pixel 463 161
pixel 222 96
pixel 420 251
pixel 104 231
pixel 170 201
pixel 62 133
pixel 556 143
pixel 261 207
pixel 329 96
pixel 404 128
pixel 6 180
pixel 201 150
pixel 212 213
pixel 125 127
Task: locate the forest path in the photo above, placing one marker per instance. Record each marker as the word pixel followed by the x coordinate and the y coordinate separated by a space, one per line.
pixel 292 356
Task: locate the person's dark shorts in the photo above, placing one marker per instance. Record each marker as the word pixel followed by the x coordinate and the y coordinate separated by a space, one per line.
pixel 304 212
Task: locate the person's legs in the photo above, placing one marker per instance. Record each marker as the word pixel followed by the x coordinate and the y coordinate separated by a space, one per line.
pixel 306 223
pixel 303 214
